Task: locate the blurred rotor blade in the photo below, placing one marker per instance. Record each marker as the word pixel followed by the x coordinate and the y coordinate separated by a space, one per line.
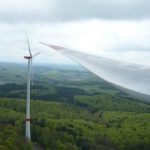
pixel 36 54
pixel 134 79
pixel 29 48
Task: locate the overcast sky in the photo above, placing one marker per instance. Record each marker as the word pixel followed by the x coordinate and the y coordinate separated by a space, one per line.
pixel 119 29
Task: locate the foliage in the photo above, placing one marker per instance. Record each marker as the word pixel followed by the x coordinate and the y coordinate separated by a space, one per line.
pixel 63 126
pixel 79 111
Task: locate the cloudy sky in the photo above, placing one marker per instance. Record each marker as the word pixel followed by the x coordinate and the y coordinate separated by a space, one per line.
pixel 119 29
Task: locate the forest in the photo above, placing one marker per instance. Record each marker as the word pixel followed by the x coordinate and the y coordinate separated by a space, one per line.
pixel 71 109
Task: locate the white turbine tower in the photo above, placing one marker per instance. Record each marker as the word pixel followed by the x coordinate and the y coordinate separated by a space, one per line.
pixel 29 72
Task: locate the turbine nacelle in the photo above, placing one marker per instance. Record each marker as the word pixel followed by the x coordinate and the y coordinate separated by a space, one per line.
pixel 27 57
pixel 31 57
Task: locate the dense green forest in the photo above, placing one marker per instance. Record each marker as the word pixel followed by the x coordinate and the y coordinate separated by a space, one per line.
pixel 63 126
pixel 71 110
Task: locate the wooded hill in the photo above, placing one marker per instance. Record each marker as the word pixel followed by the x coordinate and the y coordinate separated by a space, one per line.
pixel 71 110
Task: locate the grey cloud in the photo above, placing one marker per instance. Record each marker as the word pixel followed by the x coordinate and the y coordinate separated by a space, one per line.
pixel 97 37
pixel 132 46
pixel 67 10
pixel 108 9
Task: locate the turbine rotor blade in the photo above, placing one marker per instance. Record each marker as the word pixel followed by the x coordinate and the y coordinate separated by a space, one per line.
pixel 36 54
pixel 55 47
pixel 29 48
pixel 134 79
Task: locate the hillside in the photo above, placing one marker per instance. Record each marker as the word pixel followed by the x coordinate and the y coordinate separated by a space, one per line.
pixel 71 110
pixel 61 126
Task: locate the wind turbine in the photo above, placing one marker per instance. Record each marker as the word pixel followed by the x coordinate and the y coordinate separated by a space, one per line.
pixel 29 73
